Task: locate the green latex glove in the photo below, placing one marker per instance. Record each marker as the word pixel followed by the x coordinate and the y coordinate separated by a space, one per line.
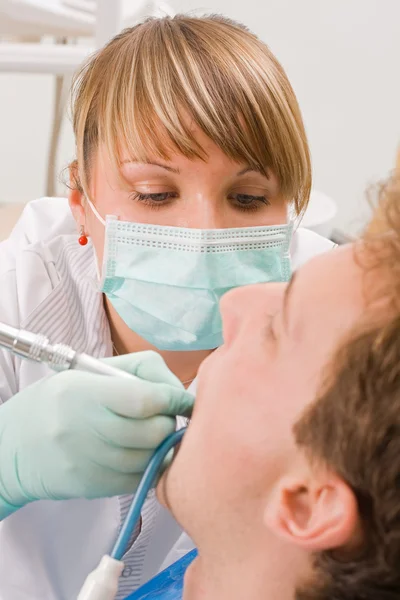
pixel 77 434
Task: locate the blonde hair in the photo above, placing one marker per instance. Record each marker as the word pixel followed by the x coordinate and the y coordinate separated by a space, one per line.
pixel 141 92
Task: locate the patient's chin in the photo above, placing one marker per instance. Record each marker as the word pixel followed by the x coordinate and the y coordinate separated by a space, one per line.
pixel 161 492
pixel 161 488
pixel 163 483
pixel 164 490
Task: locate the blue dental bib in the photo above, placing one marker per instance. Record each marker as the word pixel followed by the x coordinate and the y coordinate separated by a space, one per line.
pixel 167 585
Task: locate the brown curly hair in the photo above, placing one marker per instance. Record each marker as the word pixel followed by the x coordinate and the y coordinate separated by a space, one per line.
pixel 354 429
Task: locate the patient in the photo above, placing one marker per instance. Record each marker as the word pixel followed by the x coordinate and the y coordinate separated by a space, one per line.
pixel 288 479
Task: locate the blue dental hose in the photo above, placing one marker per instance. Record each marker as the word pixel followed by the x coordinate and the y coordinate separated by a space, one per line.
pixel 146 483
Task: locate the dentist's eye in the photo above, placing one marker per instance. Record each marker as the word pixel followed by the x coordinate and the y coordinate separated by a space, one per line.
pixel 249 202
pixel 154 200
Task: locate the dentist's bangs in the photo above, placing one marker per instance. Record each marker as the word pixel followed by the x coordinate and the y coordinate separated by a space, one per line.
pixel 141 95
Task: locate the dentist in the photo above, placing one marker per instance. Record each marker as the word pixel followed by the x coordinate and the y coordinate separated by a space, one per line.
pixel 191 152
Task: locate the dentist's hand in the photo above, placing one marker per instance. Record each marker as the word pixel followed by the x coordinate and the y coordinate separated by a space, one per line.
pixel 76 434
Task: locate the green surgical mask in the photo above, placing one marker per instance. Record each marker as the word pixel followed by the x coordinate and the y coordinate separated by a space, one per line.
pixel 166 282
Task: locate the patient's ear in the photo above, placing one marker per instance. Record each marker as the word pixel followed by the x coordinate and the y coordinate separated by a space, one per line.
pixel 75 196
pixel 316 514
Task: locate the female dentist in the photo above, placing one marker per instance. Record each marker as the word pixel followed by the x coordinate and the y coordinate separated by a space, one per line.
pixel 191 152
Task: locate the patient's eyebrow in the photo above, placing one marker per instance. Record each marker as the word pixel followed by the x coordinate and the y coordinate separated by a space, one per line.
pixel 286 299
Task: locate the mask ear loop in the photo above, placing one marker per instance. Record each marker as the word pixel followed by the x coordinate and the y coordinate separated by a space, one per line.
pixel 102 221
pixel 95 212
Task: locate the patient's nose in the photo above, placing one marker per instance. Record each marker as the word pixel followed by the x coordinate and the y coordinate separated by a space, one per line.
pixel 247 307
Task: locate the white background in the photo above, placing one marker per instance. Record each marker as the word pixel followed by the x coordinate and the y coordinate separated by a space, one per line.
pixel 343 58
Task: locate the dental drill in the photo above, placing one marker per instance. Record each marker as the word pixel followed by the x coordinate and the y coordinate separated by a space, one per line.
pixel 59 357
pixel 102 583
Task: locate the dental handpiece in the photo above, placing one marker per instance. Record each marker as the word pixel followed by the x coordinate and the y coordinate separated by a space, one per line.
pixel 59 357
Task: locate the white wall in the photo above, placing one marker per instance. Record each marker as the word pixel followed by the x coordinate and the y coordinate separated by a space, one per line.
pixel 25 122
pixel 343 58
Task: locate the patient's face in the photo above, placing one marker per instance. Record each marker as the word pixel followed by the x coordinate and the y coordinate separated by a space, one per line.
pixel 250 393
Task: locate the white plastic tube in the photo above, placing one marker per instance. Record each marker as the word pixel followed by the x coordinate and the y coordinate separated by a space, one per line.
pixel 102 583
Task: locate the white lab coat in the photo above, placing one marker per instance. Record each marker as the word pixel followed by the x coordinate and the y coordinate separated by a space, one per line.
pixel 48 285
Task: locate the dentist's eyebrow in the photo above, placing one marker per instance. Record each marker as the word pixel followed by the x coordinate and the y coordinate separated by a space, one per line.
pixel 154 164
pixel 250 170
pixel 286 300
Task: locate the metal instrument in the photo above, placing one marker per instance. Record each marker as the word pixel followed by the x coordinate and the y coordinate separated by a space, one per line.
pixel 59 357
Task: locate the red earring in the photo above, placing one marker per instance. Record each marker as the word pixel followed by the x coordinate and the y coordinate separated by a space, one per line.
pixel 82 240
